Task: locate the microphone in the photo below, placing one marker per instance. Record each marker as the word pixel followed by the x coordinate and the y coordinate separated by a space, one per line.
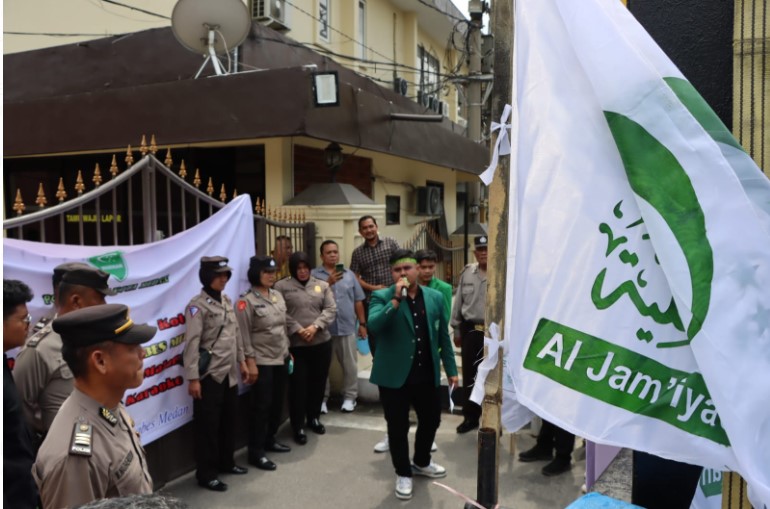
pixel 403 292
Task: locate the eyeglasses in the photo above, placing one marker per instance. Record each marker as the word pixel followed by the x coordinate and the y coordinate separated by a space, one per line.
pixel 27 319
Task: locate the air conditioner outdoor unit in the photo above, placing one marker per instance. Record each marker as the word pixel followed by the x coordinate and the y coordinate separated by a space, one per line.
pixel 271 13
pixel 400 86
pixel 429 201
pixel 443 108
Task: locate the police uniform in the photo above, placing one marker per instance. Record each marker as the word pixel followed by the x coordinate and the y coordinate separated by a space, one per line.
pixel 262 324
pixel 91 451
pixel 43 378
pixel 468 317
pixel 307 304
pixel 212 325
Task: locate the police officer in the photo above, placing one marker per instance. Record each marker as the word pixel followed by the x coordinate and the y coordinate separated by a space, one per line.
pixel 468 323
pixel 212 331
pixel 42 376
pixel 310 309
pixel 261 313
pixel 92 450
pixel 58 273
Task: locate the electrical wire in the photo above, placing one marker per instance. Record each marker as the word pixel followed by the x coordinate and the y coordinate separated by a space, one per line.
pixel 59 34
pixel 137 9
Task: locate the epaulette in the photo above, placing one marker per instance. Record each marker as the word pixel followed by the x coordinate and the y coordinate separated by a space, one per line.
pixel 40 324
pixel 36 338
pixel 82 436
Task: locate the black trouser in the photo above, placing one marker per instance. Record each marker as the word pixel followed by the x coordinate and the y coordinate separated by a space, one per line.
pixel 307 383
pixel 214 428
pixel 265 405
pixel 426 400
pixel 553 437
pixel 473 352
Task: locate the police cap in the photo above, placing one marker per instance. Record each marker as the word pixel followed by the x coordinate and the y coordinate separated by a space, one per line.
pixel 215 264
pixel 480 241
pixel 105 322
pixel 260 263
pixel 61 269
pixel 90 277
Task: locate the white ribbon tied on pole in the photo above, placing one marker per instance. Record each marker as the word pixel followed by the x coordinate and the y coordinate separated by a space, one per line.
pixel 489 362
pixel 502 145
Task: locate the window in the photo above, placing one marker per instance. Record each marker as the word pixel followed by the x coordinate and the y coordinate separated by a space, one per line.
pixel 392 210
pixel 323 19
pixel 429 75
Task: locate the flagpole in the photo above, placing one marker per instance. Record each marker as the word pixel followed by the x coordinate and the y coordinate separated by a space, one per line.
pixel 489 433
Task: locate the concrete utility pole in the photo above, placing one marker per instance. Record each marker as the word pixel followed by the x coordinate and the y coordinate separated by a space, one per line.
pixel 489 432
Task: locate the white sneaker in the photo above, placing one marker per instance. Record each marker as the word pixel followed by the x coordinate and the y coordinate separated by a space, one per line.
pixel 383 445
pixel 434 447
pixel 403 488
pixel 348 405
pixel 433 470
pixel 324 409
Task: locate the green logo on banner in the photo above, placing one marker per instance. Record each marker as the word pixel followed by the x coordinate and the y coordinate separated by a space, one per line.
pixel 111 263
pixel 710 482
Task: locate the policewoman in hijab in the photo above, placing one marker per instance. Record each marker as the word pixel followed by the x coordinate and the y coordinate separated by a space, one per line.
pixel 261 313
pixel 213 357
pixel 310 310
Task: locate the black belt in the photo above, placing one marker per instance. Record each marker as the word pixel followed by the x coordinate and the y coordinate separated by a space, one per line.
pixel 475 324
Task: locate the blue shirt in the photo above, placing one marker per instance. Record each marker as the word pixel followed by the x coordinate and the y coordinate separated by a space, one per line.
pixel 347 291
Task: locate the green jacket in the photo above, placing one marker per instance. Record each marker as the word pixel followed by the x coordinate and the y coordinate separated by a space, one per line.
pixel 446 290
pixel 394 329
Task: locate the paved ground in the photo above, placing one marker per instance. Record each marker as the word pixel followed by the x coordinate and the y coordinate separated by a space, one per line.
pixel 340 470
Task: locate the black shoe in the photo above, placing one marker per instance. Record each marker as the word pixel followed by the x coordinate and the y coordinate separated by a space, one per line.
pixel 235 469
pixel 300 437
pixel 213 485
pixel 263 463
pixel 316 426
pixel 467 425
pixel 277 447
pixel 535 454
pixel 557 466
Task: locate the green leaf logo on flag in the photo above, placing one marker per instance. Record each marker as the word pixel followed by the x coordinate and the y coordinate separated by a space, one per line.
pixel 657 177
pixel 111 263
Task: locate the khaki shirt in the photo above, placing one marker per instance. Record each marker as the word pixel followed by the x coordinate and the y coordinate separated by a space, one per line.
pixel 109 462
pixel 204 318
pixel 310 304
pixel 262 323
pixel 43 378
pixel 471 296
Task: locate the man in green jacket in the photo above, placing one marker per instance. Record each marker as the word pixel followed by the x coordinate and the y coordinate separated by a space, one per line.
pixel 412 341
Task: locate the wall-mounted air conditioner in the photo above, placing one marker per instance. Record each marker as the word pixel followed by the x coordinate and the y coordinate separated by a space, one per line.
pixel 400 86
pixel 429 201
pixel 270 12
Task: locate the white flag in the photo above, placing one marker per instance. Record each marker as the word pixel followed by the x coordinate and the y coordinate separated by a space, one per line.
pixel 639 248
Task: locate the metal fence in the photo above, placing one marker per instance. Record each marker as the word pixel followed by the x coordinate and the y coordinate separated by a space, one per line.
pixel 145 203
pixel 450 258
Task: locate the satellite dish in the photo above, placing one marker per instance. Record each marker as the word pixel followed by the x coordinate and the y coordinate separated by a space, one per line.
pixel 210 27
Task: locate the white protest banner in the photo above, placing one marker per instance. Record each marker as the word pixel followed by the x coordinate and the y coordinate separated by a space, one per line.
pixel 639 251
pixel 156 281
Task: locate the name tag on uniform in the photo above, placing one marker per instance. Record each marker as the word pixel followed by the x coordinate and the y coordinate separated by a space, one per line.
pixel 275 299
pixel 317 288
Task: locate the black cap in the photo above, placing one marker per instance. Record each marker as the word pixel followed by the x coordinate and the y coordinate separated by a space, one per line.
pixel 61 269
pixel 480 241
pixel 260 263
pixel 90 277
pixel 215 264
pixel 105 322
